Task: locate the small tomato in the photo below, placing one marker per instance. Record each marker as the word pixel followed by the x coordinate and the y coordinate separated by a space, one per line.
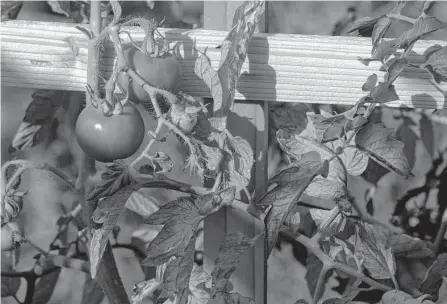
pixel 163 72
pixel 8 230
pixel 106 139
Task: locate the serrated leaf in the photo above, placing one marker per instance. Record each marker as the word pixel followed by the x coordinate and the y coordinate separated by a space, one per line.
pixel 116 176
pixel 92 292
pixel 400 297
pixel 378 142
pixel 320 217
pixel 205 71
pixel 230 252
pixel 407 246
pixel 377 255
pixel 427 134
pixel 327 188
pixel 106 214
pixel 422 27
pixel 45 287
pixel 234 52
pixel 241 161
pixel 379 30
pixel 162 162
pixel 291 183
pixel 212 202
pixel 436 63
pixel 383 92
pixel 178 272
pixel 407 136
pixel 434 277
pixel 10 285
pixel 181 219
pixel 370 83
pixel 395 69
pixel 313 271
pixel 40 112
pixel 319 124
pixel 141 204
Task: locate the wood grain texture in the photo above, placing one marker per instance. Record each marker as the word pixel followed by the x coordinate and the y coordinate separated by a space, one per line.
pixel 286 68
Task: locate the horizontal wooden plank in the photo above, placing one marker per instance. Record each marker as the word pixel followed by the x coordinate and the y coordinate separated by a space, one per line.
pixel 286 68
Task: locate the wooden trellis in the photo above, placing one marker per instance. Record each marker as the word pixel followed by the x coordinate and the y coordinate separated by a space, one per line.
pixel 279 68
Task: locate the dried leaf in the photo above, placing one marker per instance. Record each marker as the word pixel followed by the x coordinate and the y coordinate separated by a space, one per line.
pixel 92 292
pixel 106 213
pixel 291 183
pixel 370 83
pixel 45 287
pixel 230 251
pixel 378 142
pixel 205 71
pixel 234 52
pixel 377 255
pixel 162 162
pixel 181 219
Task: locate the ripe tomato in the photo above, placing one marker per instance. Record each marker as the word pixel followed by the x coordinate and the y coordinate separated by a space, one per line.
pixel 161 72
pixel 108 138
pixel 7 238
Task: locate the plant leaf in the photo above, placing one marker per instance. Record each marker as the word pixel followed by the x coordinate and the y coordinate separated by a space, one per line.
pixel 240 164
pixel 378 142
pixel 92 292
pixel 407 136
pixel 230 251
pixel 427 134
pixel 327 188
pixel 406 246
pixel 395 69
pixel 383 92
pixel 313 270
pixel 106 213
pixel 178 272
pixel 379 30
pixel 319 124
pixel 232 298
pixel 234 52
pixel 422 27
pixel 181 219
pixel 40 112
pixel 370 83
pixel 384 50
pixel 442 298
pixel 45 287
pixel 434 277
pixel 212 202
pixel 400 297
pixel 365 25
pixel 116 176
pixel 289 117
pixel 377 255
pixel 10 285
pixel 320 217
pixel 143 290
pixel 291 184
pixel 205 71
pixel 436 63
pixel 162 162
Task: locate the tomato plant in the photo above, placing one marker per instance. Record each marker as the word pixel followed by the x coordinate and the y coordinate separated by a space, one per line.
pixel 340 240
pixel 8 239
pixel 106 139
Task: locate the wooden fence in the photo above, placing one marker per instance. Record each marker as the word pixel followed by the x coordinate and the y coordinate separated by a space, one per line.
pixel 279 68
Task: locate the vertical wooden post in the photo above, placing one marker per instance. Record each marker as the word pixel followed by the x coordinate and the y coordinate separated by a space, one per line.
pixel 249 119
